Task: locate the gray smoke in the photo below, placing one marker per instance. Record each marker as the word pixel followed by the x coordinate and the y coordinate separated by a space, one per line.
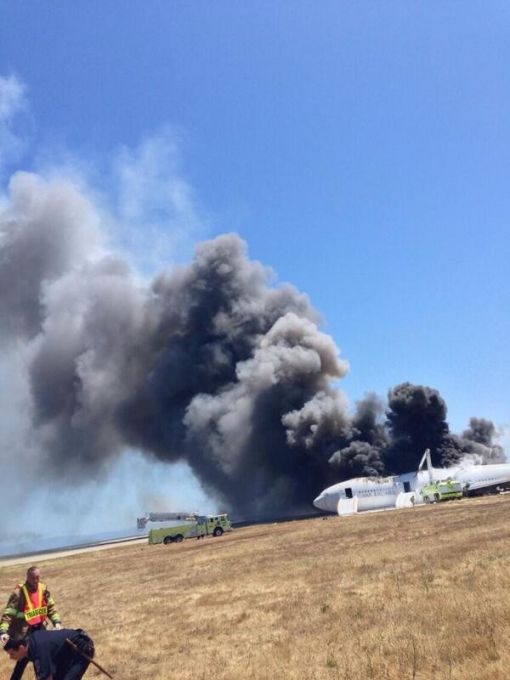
pixel 479 438
pixel 43 234
pixel 480 431
pixel 207 364
pixel 366 441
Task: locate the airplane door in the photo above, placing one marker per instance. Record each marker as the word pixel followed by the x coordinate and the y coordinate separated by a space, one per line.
pixel 348 493
pixel 407 487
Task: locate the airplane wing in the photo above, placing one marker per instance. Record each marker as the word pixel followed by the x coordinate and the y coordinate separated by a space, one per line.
pixel 474 486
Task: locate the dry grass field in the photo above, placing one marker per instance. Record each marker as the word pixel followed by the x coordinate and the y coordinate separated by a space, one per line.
pixel 418 593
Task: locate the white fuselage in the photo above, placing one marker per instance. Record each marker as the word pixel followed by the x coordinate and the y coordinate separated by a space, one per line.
pixel 377 493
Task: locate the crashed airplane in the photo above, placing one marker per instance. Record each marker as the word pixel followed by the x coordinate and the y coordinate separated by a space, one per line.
pixel 379 493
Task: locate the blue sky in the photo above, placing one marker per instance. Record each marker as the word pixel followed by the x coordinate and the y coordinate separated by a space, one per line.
pixel 361 149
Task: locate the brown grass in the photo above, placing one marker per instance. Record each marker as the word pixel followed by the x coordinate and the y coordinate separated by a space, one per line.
pixel 419 593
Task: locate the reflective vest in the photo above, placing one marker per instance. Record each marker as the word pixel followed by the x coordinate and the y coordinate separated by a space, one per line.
pixel 36 607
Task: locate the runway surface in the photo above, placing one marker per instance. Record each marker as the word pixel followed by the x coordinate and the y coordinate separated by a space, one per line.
pixel 63 552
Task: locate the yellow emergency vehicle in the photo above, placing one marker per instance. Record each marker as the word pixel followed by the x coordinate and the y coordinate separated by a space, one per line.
pixel 195 526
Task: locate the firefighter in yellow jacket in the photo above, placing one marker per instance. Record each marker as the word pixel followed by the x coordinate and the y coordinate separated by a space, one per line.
pixel 27 610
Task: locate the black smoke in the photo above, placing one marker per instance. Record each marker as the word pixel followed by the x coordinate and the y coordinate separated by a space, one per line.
pixel 415 419
pixel 366 441
pixel 208 363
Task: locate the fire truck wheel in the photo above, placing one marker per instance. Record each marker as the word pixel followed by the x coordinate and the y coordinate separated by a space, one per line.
pixel 167 540
pixel 178 538
pixel 217 531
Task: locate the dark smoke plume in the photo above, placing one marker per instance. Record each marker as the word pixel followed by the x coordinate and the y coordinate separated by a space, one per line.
pixel 366 441
pixel 416 420
pixel 209 364
pixel 480 431
pixel 479 439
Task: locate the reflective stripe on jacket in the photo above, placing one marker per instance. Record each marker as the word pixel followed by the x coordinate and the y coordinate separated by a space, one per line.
pixel 36 607
pixel 13 619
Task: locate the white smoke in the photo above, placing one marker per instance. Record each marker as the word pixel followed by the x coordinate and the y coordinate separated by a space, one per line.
pixel 13 104
pixel 148 189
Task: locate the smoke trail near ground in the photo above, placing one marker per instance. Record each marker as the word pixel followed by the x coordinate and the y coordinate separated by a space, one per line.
pixel 208 364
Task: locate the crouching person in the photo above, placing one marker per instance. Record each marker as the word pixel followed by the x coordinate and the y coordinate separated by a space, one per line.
pixel 56 654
